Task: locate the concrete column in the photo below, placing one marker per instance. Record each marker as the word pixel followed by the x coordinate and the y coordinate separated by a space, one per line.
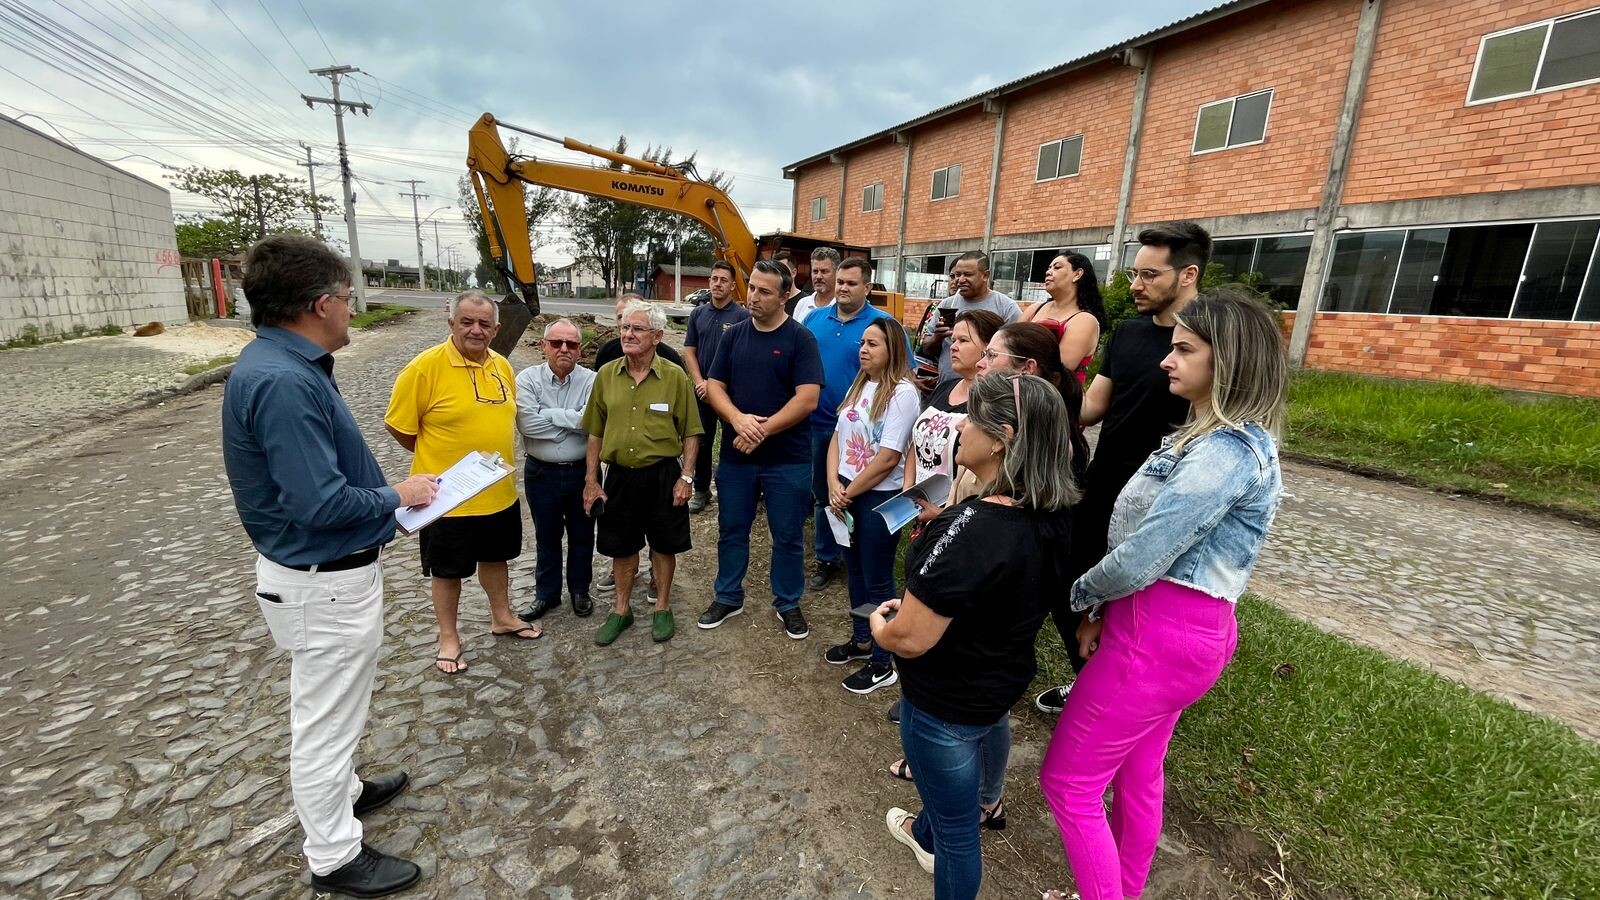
pixel 1142 59
pixel 843 162
pixel 1355 89
pixel 997 106
pixel 901 137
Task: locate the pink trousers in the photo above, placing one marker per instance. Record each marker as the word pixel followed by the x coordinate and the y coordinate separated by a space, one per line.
pixel 1160 651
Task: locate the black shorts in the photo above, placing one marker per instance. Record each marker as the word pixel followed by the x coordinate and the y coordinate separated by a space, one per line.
pixel 639 508
pixel 453 546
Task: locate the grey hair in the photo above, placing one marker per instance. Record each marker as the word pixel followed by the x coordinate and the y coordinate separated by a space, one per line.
pixel 828 253
pixel 567 322
pixel 475 296
pixel 1037 469
pixel 658 316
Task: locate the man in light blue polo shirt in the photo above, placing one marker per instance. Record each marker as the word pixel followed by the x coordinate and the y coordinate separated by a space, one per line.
pixel 838 328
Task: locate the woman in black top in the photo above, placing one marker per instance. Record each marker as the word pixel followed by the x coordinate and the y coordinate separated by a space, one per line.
pixel 978 581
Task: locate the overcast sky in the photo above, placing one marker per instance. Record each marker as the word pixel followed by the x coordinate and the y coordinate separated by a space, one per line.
pixel 747 88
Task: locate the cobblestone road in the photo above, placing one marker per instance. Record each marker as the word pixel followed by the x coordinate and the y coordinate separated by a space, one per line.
pixel 145 742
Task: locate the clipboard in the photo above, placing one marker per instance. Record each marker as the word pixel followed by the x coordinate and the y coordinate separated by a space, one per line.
pixel 461 482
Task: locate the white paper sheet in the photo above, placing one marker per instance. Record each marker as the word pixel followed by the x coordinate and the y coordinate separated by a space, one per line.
pixel 459 483
pixel 899 510
pixel 841 526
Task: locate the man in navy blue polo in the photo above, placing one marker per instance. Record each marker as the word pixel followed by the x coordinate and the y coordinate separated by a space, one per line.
pixel 318 510
pixel 838 328
pixel 707 324
pixel 764 384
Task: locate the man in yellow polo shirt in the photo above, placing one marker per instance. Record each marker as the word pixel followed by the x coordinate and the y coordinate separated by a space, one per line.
pixel 644 422
pixel 452 399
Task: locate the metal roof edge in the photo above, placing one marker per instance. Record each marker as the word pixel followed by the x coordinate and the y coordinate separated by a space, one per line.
pixel 1204 17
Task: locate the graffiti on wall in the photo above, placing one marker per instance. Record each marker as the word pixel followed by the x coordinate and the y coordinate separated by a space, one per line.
pixel 166 259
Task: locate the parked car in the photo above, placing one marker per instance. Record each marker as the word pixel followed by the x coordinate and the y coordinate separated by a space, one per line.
pixel 698 297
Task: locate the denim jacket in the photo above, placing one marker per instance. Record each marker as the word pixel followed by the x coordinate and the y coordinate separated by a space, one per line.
pixel 1196 517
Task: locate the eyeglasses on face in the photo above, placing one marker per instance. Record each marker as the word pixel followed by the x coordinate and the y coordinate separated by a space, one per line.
pixel 495 384
pixel 557 344
pixel 992 355
pixel 1145 275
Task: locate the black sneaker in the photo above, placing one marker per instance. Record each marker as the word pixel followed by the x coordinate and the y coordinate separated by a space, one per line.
pixel 370 874
pixel 870 677
pixel 716 614
pixel 822 574
pixel 794 623
pixel 840 654
pixel 1053 700
pixel 893 714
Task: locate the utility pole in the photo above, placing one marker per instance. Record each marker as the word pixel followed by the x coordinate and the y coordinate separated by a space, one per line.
pixel 261 218
pixel 437 262
pixel 333 74
pixel 422 265
pixel 311 174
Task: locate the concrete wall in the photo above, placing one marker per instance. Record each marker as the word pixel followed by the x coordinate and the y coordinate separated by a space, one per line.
pixel 82 243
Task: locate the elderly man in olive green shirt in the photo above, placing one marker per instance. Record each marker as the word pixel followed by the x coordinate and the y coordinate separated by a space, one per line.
pixel 644 423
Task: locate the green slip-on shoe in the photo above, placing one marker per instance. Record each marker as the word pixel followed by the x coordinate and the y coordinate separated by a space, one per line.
pixel 662 627
pixel 612 628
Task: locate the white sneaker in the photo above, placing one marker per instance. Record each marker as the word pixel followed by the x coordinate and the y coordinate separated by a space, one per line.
pixel 896 821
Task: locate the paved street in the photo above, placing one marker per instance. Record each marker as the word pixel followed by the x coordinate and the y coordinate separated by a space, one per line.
pixel 146 741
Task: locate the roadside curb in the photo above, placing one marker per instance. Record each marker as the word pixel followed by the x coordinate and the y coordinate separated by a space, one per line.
pixel 196 382
pixel 1378 473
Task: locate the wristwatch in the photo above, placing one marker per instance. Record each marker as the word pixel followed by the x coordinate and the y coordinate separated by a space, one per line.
pixel 687 479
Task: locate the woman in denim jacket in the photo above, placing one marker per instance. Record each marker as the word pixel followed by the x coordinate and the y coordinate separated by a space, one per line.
pixel 1185 535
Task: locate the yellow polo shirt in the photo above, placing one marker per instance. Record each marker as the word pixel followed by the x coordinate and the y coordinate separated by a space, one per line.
pixel 454 406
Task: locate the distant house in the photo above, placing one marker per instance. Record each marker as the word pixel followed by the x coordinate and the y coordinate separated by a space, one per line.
pixel 579 278
pixel 694 278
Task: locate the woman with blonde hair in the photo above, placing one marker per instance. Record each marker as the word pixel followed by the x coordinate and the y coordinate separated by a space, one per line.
pixel 1185 534
pixel 864 470
pixel 978 583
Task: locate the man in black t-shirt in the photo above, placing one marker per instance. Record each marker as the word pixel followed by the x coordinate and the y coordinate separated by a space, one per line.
pixel 1130 398
pixel 764 384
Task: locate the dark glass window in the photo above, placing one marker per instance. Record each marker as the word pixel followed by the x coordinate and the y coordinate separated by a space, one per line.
pixel 1589 302
pixel 1419 271
pixel 1573 54
pixel 1234 256
pixel 1557 262
pixel 1362 273
pixel 1478 276
pixel 1281 261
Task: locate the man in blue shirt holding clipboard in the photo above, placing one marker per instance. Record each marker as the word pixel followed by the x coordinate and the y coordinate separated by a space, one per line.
pixel 318 510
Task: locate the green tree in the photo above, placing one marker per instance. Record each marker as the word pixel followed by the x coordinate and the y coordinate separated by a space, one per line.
pixel 248 207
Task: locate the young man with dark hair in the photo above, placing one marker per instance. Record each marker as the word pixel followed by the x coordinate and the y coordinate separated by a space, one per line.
pixel 1130 397
pixel 318 510
pixel 791 298
pixel 707 325
pixel 764 383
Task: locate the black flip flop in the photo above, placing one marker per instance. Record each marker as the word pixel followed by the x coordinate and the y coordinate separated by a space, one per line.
pixel 517 633
pixel 453 660
pixel 904 773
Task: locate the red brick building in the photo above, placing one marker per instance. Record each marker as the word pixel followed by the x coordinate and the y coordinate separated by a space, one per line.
pixel 1419 181
pixel 694 278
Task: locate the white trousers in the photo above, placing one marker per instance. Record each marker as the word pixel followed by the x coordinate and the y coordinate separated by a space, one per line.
pixel 332 624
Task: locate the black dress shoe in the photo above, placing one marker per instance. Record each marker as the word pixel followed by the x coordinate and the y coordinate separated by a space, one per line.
pixel 370 874
pixel 582 605
pixel 537 610
pixel 379 791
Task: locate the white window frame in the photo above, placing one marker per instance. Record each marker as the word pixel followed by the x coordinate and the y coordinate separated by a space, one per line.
pixel 1058 176
pixel 1549 25
pixel 875 191
pixel 819 208
pixel 946 171
pixel 1227 144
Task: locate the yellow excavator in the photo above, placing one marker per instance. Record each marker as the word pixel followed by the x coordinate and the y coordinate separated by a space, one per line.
pixel 498 178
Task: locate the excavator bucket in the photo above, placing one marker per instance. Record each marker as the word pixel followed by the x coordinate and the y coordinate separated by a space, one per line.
pixel 514 319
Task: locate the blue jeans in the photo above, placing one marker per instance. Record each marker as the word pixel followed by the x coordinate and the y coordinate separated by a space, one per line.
pixel 825 547
pixel 956 767
pixel 787 491
pixel 869 564
pixel 555 500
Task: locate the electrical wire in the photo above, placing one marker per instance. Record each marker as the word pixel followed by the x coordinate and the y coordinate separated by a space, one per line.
pixel 331 57
pixel 253 45
pixel 270 18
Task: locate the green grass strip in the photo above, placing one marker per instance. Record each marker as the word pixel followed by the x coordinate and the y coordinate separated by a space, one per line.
pixel 379 312
pixel 1380 778
pixel 208 365
pixel 1539 450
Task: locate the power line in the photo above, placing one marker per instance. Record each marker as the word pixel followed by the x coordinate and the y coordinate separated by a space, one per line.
pixel 25 80
pixel 274 21
pixel 253 46
pixel 317 30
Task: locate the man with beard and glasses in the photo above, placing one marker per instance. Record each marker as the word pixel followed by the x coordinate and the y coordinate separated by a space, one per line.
pixel 1130 397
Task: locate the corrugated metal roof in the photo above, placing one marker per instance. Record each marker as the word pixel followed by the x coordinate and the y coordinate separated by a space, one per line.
pixel 1193 21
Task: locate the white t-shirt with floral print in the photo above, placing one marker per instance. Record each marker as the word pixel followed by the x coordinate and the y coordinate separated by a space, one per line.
pixel 860 439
